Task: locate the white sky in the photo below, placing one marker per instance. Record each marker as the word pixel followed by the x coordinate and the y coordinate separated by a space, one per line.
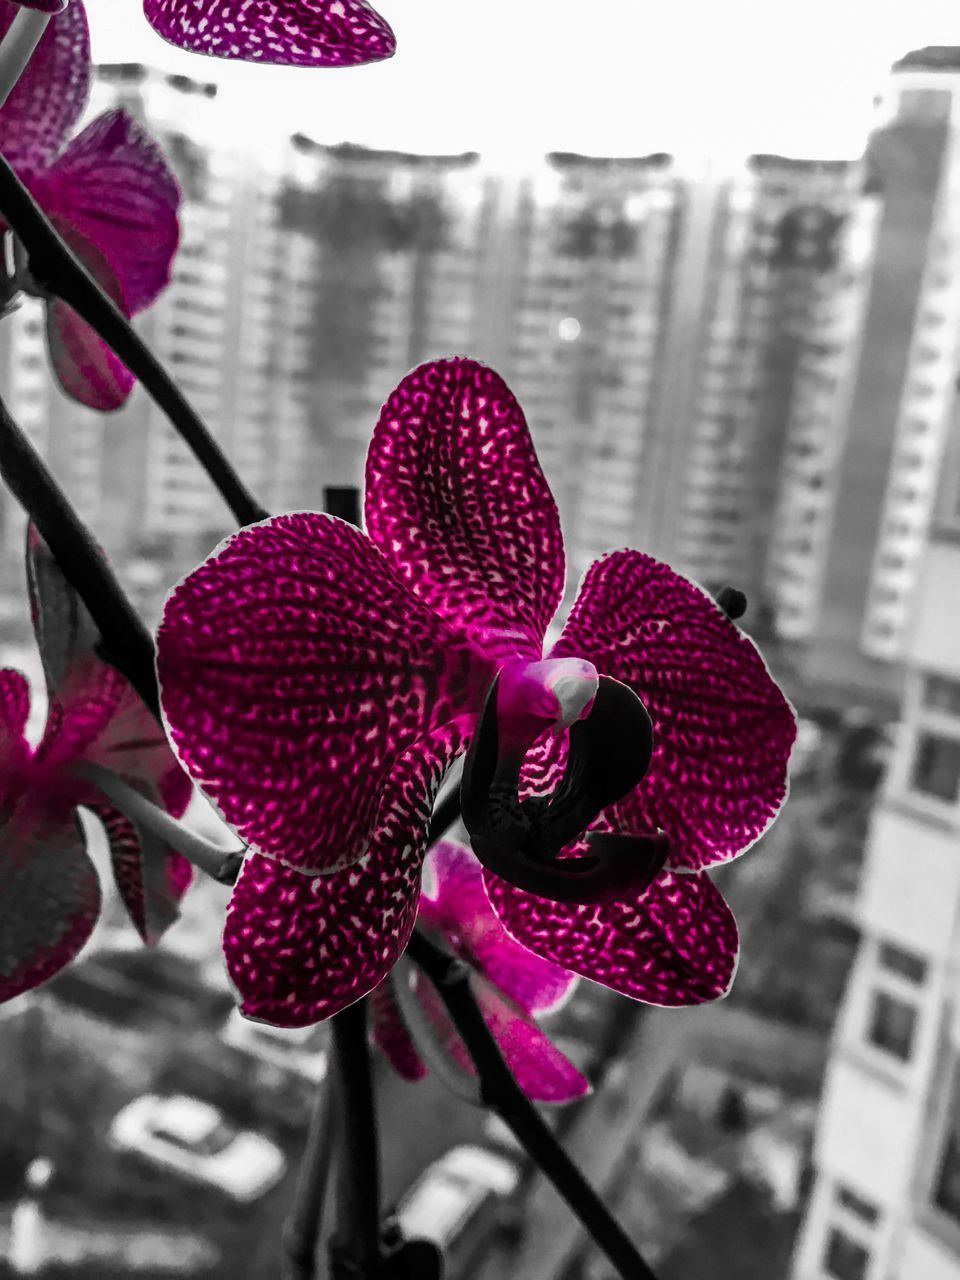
pixel 513 78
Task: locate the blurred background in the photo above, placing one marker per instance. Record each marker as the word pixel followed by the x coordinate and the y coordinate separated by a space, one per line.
pixel 717 257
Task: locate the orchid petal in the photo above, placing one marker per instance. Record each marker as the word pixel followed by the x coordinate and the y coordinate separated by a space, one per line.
pixel 541 1070
pixel 294 669
pixel 675 944
pixel 722 729
pixel 303 33
pixel 86 368
pixel 456 500
pixel 150 878
pixel 390 1034
pixel 301 948
pixel 114 188
pixel 48 99
pixel 49 896
pixel 42 6
pixel 455 902
pixel 14 749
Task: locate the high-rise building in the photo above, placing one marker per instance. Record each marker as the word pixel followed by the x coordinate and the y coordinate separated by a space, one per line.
pixel 885 1200
pixel 858 489
pixel 381 268
pixel 582 306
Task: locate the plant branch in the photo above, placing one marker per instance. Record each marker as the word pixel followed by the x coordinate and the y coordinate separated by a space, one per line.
pixel 301 1233
pixel 127 641
pixel 55 267
pixel 355 1250
pixel 500 1091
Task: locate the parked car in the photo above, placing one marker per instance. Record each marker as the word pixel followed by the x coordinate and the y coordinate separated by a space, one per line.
pixel 450 1196
pixel 196 1140
pixel 299 1049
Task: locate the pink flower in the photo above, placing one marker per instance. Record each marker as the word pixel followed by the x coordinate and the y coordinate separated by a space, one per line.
pixel 302 33
pixel 109 192
pixel 49 892
pixel 510 983
pixel 42 6
pixel 318 681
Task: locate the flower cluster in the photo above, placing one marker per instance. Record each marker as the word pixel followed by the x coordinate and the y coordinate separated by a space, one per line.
pixel 109 192
pixel 49 891
pixel 318 681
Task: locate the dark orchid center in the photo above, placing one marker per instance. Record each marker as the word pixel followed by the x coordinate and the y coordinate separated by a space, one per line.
pixel 609 750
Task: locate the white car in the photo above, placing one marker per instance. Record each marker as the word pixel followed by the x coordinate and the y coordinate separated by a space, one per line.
pixel 448 1194
pixel 195 1139
pixel 299 1049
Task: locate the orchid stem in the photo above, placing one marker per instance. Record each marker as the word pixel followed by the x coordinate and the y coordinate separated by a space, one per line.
pixel 500 1091
pixel 355 1249
pixel 219 864
pixel 56 268
pixel 16 49
pixel 84 565
pixel 301 1234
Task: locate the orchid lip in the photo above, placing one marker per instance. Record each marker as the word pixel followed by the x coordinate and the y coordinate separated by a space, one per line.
pixel 610 750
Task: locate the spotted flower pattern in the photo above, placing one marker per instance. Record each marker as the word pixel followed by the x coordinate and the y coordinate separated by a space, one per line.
pixel 302 33
pixel 316 681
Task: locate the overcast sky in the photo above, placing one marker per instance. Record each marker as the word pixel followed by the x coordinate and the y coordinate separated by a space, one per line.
pixel 515 77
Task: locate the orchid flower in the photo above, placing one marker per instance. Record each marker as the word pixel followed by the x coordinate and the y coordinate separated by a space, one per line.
pixel 109 192
pixel 317 682
pixel 49 891
pixel 511 984
pixel 302 33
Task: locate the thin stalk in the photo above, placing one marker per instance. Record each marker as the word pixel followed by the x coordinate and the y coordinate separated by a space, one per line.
pixel 220 864
pixel 500 1091
pixel 355 1249
pixel 128 645
pixel 22 37
pixel 301 1233
pixel 55 268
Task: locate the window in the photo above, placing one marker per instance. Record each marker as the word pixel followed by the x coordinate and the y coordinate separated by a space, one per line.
pixel 941 694
pixel 936 767
pixel 845 1259
pixel 860 1208
pixel 892 1023
pixel 902 962
pixel 946 1186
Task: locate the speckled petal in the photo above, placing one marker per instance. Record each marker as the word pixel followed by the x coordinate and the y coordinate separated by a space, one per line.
pixel 456 499
pixel 674 945
pixel 114 188
pixel 390 1034
pixel 722 729
pixel 301 948
pixel 294 668
pixel 150 878
pixel 455 903
pixel 541 1070
pixel 42 6
pixel 35 121
pixel 49 897
pixel 303 33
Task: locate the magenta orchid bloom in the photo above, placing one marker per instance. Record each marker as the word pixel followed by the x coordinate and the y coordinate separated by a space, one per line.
pixel 42 6
pixel 302 33
pixel 510 983
pixel 109 192
pixel 49 892
pixel 317 681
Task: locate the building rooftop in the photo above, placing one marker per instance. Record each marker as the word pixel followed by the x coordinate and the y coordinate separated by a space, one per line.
pixel 933 57
pixel 133 73
pixel 573 160
pixel 351 151
pixel 762 162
